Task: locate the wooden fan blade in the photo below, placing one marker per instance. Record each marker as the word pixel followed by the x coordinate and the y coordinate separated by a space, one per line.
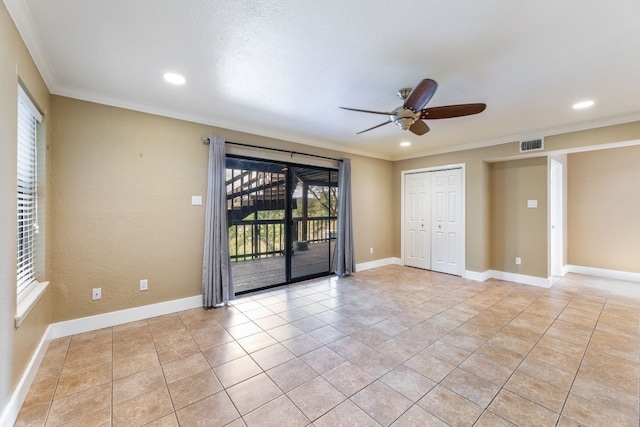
pixel 421 95
pixel 419 127
pixel 376 126
pixel 366 111
pixel 450 111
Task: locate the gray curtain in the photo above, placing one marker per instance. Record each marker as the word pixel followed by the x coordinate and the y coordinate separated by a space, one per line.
pixel 217 285
pixel 345 261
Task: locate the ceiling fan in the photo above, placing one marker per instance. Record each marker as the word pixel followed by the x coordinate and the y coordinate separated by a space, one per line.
pixel 409 116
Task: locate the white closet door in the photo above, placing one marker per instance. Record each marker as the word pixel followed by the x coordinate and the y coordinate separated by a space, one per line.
pixel 447 225
pixel 417 220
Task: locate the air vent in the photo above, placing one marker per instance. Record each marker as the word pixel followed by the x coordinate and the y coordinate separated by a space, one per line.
pixel 532 145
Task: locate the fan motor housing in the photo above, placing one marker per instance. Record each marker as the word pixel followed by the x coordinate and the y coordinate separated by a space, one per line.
pixel 404 117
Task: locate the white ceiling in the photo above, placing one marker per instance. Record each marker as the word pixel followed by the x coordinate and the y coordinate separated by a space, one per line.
pixel 281 68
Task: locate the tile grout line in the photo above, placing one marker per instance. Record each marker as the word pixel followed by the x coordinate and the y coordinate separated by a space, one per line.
pixel 55 389
pixel 529 352
pixel 525 356
pixel 584 354
pixel 297 357
pixel 576 294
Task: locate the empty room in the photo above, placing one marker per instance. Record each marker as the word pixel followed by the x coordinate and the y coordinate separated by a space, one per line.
pixel 270 213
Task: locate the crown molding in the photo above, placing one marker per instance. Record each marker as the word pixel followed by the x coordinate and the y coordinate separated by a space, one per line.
pixel 21 16
pixel 558 130
pixel 228 125
pixel 19 12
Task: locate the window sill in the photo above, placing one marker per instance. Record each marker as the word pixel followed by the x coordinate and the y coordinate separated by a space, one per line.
pixel 27 303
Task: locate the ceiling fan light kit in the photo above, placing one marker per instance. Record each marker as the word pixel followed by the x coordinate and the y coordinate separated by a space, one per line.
pixel 403 122
pixel 409 115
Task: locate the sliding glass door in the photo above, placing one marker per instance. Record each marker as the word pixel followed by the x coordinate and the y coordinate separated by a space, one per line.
pixel 282 222
pixel 313 221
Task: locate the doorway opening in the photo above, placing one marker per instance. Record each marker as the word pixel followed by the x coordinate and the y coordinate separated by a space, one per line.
pixel 282 222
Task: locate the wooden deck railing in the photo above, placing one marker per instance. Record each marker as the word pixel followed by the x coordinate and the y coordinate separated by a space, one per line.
pixel 253 239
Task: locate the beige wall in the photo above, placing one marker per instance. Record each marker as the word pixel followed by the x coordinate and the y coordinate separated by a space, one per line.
pixel 604 209
pixel 18 344
pixel 122 206
pixel 118 195
pixel 518 231
pixel 477 193
pixel 373 208
pixel 121 210
pixel 481 250
pixel 591 138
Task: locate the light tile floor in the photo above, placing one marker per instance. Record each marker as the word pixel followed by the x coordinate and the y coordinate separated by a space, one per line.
pixel 391 346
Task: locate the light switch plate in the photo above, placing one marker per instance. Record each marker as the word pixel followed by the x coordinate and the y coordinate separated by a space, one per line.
pixel 196 200
pixel 532 203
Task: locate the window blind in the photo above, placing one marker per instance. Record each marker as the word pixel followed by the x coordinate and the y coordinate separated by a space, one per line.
pixel 27 193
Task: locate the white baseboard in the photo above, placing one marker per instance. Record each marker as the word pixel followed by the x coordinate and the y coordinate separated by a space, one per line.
pixel 378 263
pixel 542 282
pixel 547 282
pixel 477 276
pixel 510 277
pixel 86 324
pixel 106 320
pixel 603 272
pixel 91 323
pixel 10 412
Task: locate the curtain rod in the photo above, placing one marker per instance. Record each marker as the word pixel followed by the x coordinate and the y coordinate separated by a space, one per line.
pixel 205 140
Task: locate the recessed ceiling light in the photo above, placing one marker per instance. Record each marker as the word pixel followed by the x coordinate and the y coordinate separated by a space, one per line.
pixel 405 144
pixel 174 78
pixel 582 104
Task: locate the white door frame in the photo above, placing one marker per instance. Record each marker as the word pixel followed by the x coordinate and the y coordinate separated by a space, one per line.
pixel 463 246
pixel 556 223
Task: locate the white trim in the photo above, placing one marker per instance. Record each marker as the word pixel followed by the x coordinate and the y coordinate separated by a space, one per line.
pixel 23 20
pixel 21 16
pixel 86 324
pixel 514 138
pixel 434 168
pixel 83 95
pixel 555 202
pixel 99 321
pixel 12 409
pixel 542 282
pixel 477 276
pixel 509 277
pixel 30 299
pixel 335 146
pixel 603 272
pixel 565 151
pixel 24 97
pixel 378 263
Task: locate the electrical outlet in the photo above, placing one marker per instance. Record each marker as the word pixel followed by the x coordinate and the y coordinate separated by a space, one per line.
pixel 96 294
pixel 518 261
pixel 370 250
pixel 144 285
